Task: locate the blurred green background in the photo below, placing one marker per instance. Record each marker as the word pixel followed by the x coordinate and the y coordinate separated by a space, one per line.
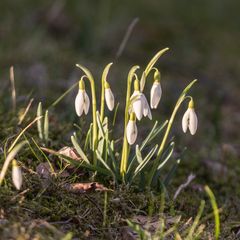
pixel 44 39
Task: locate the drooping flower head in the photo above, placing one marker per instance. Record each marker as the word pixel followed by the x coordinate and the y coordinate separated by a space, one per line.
pixel 109 97
pixel 132 129
pixel 156 90
pixel 82 101
pixel 16 175
pixel 139 103
pixel 189 119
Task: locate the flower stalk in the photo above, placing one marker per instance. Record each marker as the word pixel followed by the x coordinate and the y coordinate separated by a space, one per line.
pixel 104 79
pixel 124 158
pixel 94 110
pixel 169 126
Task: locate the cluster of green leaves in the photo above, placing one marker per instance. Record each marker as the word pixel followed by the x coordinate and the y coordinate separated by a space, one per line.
pixel 104 155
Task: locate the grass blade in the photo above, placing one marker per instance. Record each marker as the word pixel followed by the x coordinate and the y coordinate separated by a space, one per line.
pixel 40 121
pixel 46 126
pixel 215 211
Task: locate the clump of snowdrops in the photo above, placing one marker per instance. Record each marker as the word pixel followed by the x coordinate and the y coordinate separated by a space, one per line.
pixel 127 163
pixel 130 164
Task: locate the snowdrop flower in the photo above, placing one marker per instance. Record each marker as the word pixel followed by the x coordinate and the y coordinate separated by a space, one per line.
pixel 82 101
pixel 16 175
pixel 109 97
pixel 156 90
pixel 132 129
pixel 140 104
pixel 189 119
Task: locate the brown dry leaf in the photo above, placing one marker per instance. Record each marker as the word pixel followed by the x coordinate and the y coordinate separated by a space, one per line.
pixel 44 170
pixel 85 187
pixel 69 152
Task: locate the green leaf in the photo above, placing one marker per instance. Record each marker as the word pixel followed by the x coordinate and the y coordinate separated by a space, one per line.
pixel 79 149
pixel 88 137
pixel 46 126
pixel 138 154
pixel 153 133
pixel 105 164
pixel 215 211
pixel 166 156
pixel 150 137
pixel 115 114
pixel 40 120
pixel 100 126
pixel 145 161
pixel 110 149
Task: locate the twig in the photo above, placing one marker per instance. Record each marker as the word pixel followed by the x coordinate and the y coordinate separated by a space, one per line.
pixel 126 37
pixel 184 185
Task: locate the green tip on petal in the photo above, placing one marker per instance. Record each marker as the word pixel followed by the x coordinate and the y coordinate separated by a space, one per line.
pixel 157 76
pixel 14 163
pixel 136 85
pixel 81 84
pixel 133 117
pixel 191 103
pixel 106 85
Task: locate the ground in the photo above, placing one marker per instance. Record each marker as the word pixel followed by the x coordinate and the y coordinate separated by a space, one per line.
pixel 44 41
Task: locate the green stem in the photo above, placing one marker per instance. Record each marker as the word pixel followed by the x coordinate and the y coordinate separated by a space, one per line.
pixel 94 110
pixel 125 150
pixel 104 77
pixel 169 126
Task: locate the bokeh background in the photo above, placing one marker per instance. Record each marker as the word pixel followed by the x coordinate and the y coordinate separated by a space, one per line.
pixel 44 39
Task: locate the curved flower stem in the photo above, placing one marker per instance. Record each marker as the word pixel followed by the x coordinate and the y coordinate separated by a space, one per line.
pixel 169 126
pixel 94 110
pixel 150 66
pixel 125 150
pixel 104 77
pixel 9 158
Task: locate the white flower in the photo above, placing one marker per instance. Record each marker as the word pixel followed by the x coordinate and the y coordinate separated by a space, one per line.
pixel 109 97
pixel 190 120
pixel 132 129
pixel 82 101
pixel 16 175
pixel 140 105
pixel 156 93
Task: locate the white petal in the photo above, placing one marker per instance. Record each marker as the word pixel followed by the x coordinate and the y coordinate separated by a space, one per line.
pixel 156 93
pixel 193 121
pixel 109 97
pixel 146 108
pixel 86 103
pixel 138 108
pixel 131 132
pixel 185 120
pixel 17 177
pixel 79 103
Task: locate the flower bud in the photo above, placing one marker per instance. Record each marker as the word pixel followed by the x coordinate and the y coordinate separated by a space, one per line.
pixel 132 129
pixel 156 91
pixel 82 101
pixel 189 119
pixel 16 175
pixel 109 97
